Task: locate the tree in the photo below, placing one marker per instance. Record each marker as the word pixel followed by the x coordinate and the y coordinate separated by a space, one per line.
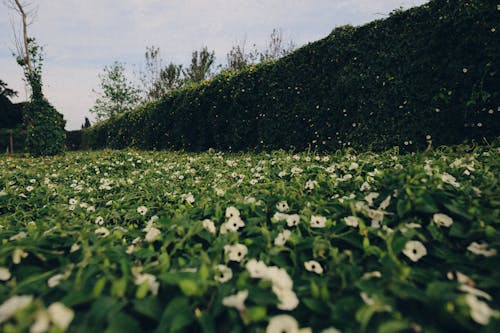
pixel 5 91
pixel 87 123
pixel 117 94
pixel 44 125
pixel 157 80
pixel 201 66
pixel 170 79
pixel 276 47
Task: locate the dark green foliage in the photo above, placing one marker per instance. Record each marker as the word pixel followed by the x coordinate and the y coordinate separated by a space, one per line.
pixel 44 128
pixel 73 139
pixel 18 136
pixel 426 74
pixel 11 114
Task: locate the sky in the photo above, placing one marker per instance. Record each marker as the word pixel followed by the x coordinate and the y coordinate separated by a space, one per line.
pixel 80 37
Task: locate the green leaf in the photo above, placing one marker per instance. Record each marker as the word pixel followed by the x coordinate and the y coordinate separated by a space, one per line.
pixel 176 316
pixel 393 326
pixel 121 322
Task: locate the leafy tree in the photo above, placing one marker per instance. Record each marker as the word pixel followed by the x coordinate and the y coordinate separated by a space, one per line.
pixel 117 94
pixel 276 47
pixel 44 125
pixel 5 91
pixel 201 66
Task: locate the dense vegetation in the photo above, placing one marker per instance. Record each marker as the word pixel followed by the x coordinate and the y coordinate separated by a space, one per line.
pixel 126 241
pixel 428 73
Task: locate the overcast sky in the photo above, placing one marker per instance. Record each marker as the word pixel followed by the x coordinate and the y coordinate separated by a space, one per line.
pixel 80 37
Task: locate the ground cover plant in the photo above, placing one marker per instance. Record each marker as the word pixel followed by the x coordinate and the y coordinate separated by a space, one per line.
pixel 128 241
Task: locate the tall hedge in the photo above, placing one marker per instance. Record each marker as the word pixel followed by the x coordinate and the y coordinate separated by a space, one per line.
pixel 428 73
pixel 44 128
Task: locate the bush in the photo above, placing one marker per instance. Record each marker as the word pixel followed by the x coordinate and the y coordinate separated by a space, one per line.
pixel 73 140
pixel 44 128
pixel 426 74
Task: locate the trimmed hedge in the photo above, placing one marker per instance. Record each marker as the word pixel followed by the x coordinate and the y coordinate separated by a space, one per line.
pixel 428 73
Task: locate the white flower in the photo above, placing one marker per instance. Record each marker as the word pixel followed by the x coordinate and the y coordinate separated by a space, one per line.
pixel 481 249
pixel 4 274
pixel 282 238
pixel 473 291
pixel 296 170
pixel 370 275
pixel 279 277
pixel 42 322
pixel 282 324
pixel 60 315
pixel 330 330
pixel 75 247
pixel 414 250
pixel 55 280
pixel 384 204
pixel 189 198
pixel 91 209
pixel 220 192
pixel 12 305
pixel 370 197
pixel 442 220
pixel 313 266
pixel 292 220
pixel 99 220
pixel 353 166
pixel 18 236
pixel 287 298
pixel 351 221
pixel 209 226
pixel 224 274
pixel 142 210
pixel 236 301
pixel 236 252
pixel 232 212
pixel 282 206
pixel 318 221
pixel 151 281
pixel 29 188
pixel 310 185
pixel 253 181
pixel 257 269
pixel 102 231
pixel 152 234
pixel 279 217
pixel 72 201
pixel 449 179
pixel 365 187
pixel 282 174
pixel 480 312
pixel 17 255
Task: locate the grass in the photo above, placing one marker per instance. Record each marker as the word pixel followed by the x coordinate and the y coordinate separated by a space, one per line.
pixel 129 241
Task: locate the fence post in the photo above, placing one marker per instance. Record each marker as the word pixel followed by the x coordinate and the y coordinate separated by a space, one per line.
pixel 11 141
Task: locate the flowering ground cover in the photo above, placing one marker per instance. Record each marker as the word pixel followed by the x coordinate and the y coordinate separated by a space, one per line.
pixel 128 241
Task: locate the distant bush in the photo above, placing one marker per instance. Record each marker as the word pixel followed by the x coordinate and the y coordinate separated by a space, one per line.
pixel 428 73
pixel 73 140
pixel 44 128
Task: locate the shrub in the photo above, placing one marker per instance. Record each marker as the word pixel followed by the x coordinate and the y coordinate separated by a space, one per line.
pixel 426 74
pixel 44 128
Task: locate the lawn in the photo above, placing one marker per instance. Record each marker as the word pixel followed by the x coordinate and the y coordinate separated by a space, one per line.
pixel 134 241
